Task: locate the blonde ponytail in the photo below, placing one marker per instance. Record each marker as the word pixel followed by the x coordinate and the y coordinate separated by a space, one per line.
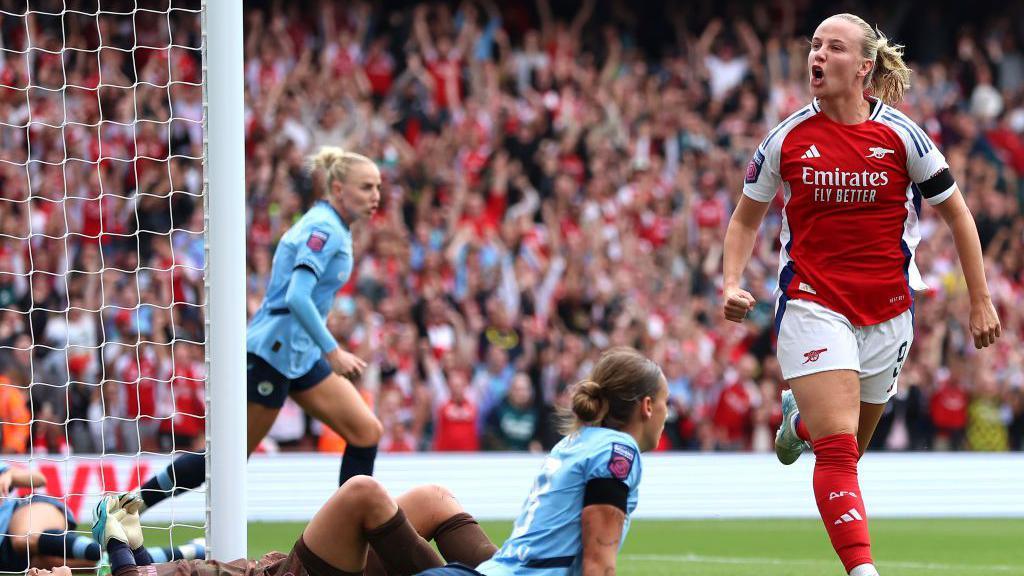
pixel 889 78
pixel 332 163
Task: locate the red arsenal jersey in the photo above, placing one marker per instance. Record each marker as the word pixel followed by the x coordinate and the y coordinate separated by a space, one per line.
pixel 852 197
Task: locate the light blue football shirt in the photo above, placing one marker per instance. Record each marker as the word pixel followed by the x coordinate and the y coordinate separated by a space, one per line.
pixel 321 241
pixel 547 537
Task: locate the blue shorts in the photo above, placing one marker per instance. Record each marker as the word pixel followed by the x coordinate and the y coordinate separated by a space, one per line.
pixel 17 561
pixel 270 388
pixel 454 569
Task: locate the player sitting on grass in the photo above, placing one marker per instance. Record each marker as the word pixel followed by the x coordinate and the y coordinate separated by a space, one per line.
pixel 336 542
pixel 38 530
pixel 576 517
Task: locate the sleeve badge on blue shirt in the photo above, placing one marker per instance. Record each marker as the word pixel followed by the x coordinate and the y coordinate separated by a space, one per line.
pixel 317 240
pixel 621 462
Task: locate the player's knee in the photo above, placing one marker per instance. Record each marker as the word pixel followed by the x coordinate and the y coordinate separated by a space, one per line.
pixel 433 497
pixel 363 489
pixel 364 500
pixel 367 434
pixel 438 492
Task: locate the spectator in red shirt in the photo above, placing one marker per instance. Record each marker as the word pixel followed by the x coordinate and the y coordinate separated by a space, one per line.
pixel 949 414
pixel 733 417
pixel 184 427
pixel 456 423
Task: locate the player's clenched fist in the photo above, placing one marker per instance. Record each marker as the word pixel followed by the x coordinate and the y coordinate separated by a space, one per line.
pixel 985 326
pixel 737 303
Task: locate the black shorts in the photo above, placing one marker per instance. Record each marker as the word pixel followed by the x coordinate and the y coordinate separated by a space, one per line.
pixel 454 569
pixel 270 388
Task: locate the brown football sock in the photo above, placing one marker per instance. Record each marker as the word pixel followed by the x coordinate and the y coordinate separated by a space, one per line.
pixel 315 565
pixel 374 567
pixel 460 539
pixel 400 549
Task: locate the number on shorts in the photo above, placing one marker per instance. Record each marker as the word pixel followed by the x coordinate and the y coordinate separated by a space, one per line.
pixel 900 357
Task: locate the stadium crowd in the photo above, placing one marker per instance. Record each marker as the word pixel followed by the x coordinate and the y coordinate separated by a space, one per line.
pixel 557 180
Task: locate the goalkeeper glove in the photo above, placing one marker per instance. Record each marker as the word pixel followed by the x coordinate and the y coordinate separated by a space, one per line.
pixel 130 503
pixel 106 525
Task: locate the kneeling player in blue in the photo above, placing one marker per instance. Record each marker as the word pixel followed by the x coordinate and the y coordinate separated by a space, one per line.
pixel 577 515
pixel 290 351
pixel 38 530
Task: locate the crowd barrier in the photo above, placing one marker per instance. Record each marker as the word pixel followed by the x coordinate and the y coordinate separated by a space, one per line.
pixel 291 487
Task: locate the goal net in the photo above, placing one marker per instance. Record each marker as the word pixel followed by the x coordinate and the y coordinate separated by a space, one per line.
pixel 102 314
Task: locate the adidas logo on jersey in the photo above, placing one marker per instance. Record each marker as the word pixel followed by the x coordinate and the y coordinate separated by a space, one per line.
pixel 812 152
pixel 851 516
pixel 878 152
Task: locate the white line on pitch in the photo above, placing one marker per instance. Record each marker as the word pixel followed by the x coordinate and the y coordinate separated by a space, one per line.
pixel 696 558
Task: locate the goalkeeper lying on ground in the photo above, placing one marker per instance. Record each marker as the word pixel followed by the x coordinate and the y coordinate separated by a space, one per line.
pixel 360 530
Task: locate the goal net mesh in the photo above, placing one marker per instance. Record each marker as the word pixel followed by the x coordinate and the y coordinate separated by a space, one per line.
pixel 102 368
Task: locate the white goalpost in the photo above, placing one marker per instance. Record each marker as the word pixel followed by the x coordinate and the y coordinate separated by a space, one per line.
pixel 122 257
pixel 225 170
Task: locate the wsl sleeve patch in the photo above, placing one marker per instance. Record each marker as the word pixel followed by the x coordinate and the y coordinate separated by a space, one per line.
pixel 754 168
pixel 317 240
pixel 621 462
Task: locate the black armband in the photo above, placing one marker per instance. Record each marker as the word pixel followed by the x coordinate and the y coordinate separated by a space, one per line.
pixel 307 267
pixel 606 491
pixel 937 184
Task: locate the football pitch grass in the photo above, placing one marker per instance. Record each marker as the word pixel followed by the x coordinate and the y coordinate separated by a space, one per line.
pixel 939 547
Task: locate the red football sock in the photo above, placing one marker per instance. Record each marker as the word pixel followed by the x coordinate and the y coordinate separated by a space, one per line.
pixel 837 493
pixel 801 429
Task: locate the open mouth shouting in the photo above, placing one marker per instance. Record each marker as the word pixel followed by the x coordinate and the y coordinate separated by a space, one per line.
pixel 817 75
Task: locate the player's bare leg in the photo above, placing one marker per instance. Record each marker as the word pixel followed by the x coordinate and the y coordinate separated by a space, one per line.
pixel 792 436
pixel 428 506
pixel 41 529
pixel 337 403
pixel 361 513
pixel 336 533
pixel 870 414
pixel 437 515
pixel 260 419
pixel 829 402
pixel 830 408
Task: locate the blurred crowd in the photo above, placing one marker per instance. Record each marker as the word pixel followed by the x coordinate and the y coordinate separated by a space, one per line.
pixel 558 179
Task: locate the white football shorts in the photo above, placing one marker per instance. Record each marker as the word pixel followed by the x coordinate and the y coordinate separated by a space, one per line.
pixel 813 338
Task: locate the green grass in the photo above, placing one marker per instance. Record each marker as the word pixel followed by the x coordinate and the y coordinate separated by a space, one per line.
pixel 769 547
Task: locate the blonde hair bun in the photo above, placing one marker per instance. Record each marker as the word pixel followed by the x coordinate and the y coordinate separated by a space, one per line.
pixel 333 163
